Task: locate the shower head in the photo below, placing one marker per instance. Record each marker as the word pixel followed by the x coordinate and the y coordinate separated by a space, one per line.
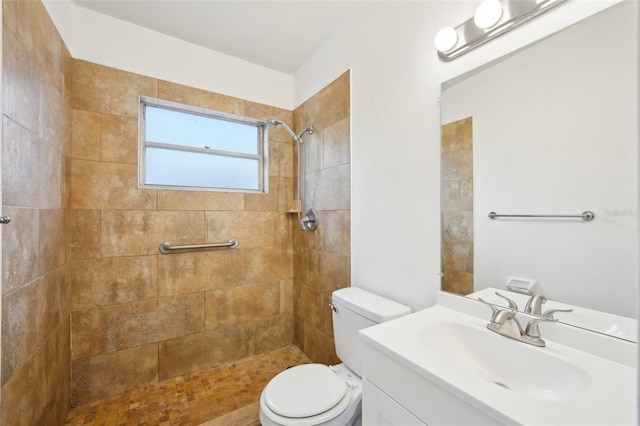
pixel 275 123
pixel 272 122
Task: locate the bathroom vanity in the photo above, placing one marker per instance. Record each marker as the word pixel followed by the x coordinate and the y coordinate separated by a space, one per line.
pixel 443 366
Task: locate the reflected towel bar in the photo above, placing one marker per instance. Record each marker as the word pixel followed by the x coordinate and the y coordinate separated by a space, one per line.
pixel 587 215
pixel 167 248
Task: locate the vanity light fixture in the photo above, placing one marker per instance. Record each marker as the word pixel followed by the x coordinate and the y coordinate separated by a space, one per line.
pixel 492 18
pixel 488 14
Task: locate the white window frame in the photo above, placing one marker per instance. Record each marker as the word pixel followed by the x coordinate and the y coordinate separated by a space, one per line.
pixel 261 156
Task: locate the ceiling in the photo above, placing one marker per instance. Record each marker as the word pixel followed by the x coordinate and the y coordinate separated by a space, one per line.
pixel 279 35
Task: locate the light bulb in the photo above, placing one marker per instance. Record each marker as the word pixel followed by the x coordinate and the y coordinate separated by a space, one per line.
pixel 446 39
pixel 488 14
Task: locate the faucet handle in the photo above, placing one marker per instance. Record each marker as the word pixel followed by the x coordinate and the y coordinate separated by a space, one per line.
pixel 512 304
pixel 532 332
pixel 550 312
pixel 495 309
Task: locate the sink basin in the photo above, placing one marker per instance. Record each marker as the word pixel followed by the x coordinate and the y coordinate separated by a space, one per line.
pixel 504 362
pixel 449 349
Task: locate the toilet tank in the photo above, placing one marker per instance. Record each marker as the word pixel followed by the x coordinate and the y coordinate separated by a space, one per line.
pixel 355 309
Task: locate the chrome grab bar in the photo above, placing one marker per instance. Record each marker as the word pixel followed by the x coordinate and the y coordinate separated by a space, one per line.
pixel 167 248
pixel 586 215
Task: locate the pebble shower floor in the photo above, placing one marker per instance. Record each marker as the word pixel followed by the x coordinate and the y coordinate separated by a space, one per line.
pixel 225 395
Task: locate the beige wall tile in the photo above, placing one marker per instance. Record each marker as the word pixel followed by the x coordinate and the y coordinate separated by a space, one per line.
pixel 36 140
pixel 201 351
pixel 337 143
pixel 119 139
pixel 265 112
pixel 97 185
pixel 137 323
pixel 458 282
pixel 322 258
pixel 264 202
pixel 287 160
pixel 273 160
pixel 113 373
pixel 319 347
pixel 200 98
pixel 199 200
pixel 21 251
pixel 330 189
pixel 314 151
pixel 286 296
pixel 270 333
pixel 286 188
pixel 86 329
pixel 457 256
pixel 298 331
pixel 53 239
pixel 51 125
pixel 328 106
pixel 238 305
pixel 457 195
pixel 251 229
pixel 195 271
pixel 57 403
pixel 23 395
pixel 311 302
pixel 457 136
pixel 130 233
pixel 29 314
pixel 268 265
pixel 457 225
pixel 109 91
pixel 334 235
pixel 56 359
pixel 33 170
pixel 85 135
pixel 109 281
pixel 457 165
pixel 85 234
pixel 21 83
pixel 329 271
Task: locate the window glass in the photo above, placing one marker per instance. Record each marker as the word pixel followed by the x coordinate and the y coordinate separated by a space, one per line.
pixel 192 148
pixel 182 168
pixel 181 128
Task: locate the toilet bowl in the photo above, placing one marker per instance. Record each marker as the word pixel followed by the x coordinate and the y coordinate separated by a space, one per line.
pixel 324 395
pixel 316 394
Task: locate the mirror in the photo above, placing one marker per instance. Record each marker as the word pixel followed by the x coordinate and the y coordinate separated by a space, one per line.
pixel 549 130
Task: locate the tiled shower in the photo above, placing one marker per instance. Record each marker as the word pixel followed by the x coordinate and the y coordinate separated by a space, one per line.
pixel 90 307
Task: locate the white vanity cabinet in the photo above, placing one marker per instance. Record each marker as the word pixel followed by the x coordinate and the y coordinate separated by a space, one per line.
pixel 378 409
pixel 395 395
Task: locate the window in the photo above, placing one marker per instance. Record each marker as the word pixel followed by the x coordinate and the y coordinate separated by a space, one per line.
pixel 185 147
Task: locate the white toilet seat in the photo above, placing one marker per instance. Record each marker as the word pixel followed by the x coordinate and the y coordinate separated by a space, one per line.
pixel 299 402
pixel 304 391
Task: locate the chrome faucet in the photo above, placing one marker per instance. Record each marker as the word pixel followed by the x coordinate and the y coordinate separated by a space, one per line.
pixel 534 304
pixel 505 323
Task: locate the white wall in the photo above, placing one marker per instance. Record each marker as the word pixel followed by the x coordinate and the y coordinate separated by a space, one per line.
pixel 555 131
pixel 396 78
pixel 103 40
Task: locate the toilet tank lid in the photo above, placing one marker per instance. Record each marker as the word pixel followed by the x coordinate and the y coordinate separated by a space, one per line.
pixel 369 305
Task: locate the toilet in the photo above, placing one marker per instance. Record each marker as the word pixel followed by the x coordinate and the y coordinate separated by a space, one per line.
pixel 316 394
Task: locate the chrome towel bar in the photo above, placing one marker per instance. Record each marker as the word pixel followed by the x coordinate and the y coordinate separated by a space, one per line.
pixel 587 215
pixel 167 248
